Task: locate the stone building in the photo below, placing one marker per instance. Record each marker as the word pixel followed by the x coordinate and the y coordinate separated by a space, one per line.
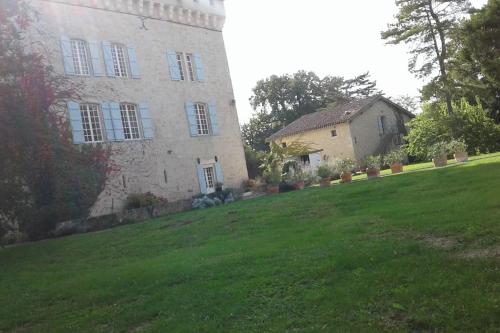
pixel 155 87
pixel 355 130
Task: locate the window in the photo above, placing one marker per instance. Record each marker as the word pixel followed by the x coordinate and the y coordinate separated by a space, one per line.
pixel 119 63
pixel 283 145
pixel 130 121
pixel 209 178
pixel 334 133
pixel 91 122
pixel 180 64
pixel 305 159
pixel 190 68
pixel 80 57
pixel 202 119
pixel 383 126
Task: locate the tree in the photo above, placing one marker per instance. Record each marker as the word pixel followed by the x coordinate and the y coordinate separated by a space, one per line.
pixel 469 124
pixel 280 100
pixel 408 102
pixel 426 25
pixel 45 177
pixel 474 65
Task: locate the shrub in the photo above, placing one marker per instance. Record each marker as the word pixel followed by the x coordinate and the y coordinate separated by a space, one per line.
pixel 203 201
pixel 373 162
pixel 325 171
pixel 135 201
pixel 345 165
pixel 272 177
pixel 395 157
pixel 437 150
pixel 457 146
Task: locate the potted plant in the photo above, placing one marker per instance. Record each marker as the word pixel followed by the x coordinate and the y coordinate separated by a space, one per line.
pixel 373 164
pixel 395 160
pixel 439 154
pixel 325 172
pixel 298 179
pixel 345 167
pixel 273 179
pixel 459 149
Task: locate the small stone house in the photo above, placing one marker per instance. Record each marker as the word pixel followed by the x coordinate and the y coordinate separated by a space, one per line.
pixel 355 130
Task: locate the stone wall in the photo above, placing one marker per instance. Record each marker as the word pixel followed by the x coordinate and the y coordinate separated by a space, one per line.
pixel 166 165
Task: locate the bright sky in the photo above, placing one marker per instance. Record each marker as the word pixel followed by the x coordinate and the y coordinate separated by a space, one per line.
pixel 329 37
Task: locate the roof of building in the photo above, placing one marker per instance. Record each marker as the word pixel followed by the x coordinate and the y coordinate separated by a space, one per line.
pixel 339 114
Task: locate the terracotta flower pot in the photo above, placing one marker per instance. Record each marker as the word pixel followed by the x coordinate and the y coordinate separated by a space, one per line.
pixel 299 185
pixel 396 168
pixel 346 177
pixel 461 157
pixel 325 182
pixel 273 189
pixel 440 161
pixel 373 172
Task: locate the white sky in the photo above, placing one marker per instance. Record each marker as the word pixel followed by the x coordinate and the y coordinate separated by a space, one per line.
pixel 329 37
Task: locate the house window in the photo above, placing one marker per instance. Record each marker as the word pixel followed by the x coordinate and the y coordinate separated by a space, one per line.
pixel 180 64
pixel 119 63
pixel 209 178
pixel 334 133
pixel 202 119
pixel 91 122
pixel 305 159
pixel 80 57
pixel 383 126
pixel 283 145
pixel 190 68
pixel 130 121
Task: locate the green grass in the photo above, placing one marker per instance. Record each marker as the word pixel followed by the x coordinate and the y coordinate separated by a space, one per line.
pixel 393 254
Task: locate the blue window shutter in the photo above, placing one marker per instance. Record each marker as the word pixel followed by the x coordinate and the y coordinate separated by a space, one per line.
pixel 108 59
pixel 175 72
pixel 108 121
pixel 147 126
pixel 218 173
pixel 75 119
pixel 95 56
pixel 134 65
pixel 69 66
pixel 116 118
pixel 212 110
pixel 201 179
pixel 191 117
pixel 200 71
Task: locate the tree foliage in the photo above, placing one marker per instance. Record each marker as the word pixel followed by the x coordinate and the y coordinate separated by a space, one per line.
pixel 469 124
pixel 426 26
pixel 280 100
pixel 45 178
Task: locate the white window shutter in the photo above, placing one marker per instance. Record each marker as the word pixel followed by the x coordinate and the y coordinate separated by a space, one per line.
pixel 108 59
pixel 75 118
pixel 116 118
pixel 95 57
pixel 134 65
pixel 200 70
pixel 218 173
pixel 69 66
pixel 212 110
pixel 191 118
pixel 147 126
pixel 108 121
pixel 175 73
pixel 201 179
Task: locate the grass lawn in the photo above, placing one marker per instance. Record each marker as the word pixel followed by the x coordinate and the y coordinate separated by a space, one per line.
pixel 412 252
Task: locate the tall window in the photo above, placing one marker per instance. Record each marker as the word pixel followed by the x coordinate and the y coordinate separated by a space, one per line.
pixel 202 119
pixel 119 60
pixel 92 129
pixel 130 121
pixel 209 178
pixel 190 68
pixel 80 57
pixel 383 124
pixel 180 64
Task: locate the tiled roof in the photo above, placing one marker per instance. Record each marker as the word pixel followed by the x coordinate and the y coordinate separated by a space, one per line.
pixel 338 115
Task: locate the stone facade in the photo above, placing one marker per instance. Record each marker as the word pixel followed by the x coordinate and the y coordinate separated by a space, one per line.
pixel 167 163
pixel 359 136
